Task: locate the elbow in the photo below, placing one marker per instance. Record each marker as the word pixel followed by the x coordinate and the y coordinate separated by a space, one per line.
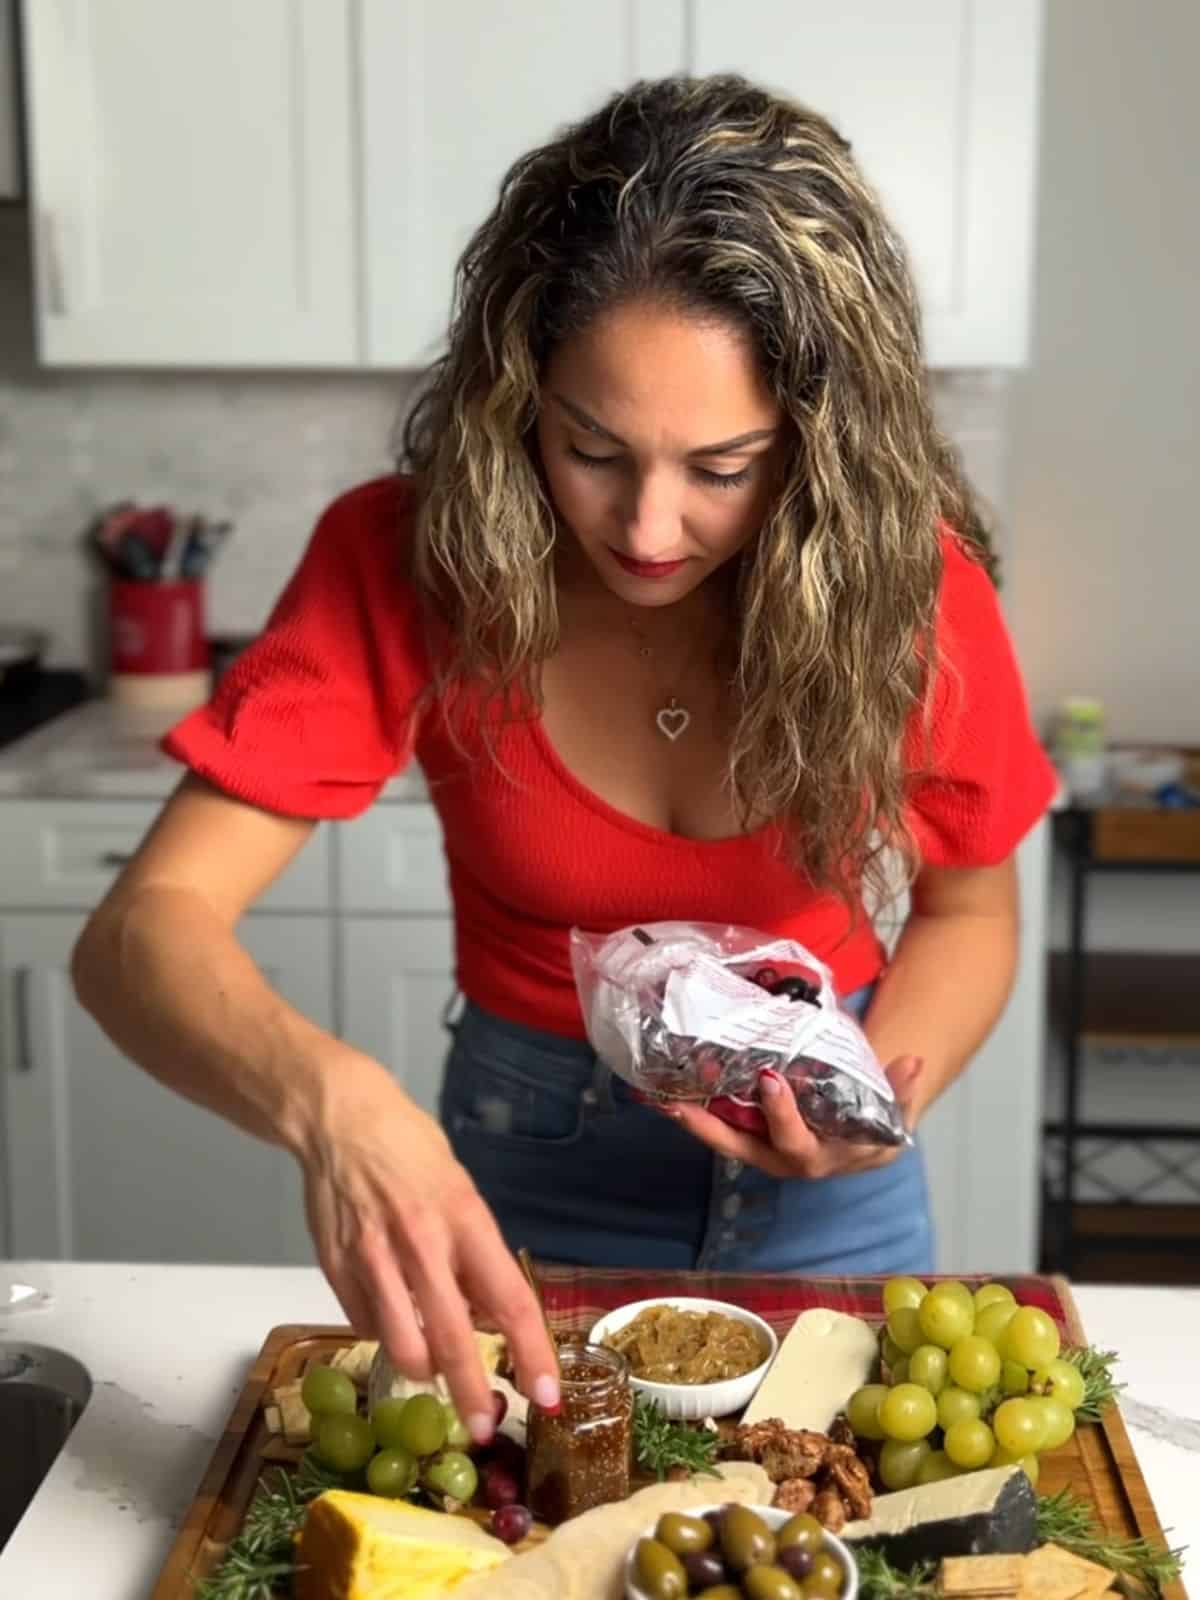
pixel 92 967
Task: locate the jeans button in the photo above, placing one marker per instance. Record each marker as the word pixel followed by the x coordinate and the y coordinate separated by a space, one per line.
pixel 590 1097
pixel 733 1169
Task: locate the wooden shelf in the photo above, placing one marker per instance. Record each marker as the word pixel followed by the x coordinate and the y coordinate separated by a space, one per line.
pixel 1132 997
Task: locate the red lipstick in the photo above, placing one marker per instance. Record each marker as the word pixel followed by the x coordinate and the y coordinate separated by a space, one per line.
pixel 646 569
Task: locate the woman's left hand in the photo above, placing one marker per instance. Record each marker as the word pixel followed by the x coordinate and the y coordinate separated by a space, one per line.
pixel 791 1149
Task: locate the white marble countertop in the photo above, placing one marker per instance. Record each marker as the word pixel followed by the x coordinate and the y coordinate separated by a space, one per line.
pixel 168 1348
pixel 103 750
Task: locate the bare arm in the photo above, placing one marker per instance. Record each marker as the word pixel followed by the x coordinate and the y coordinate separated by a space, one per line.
pixel 401 1233
pixel 951 974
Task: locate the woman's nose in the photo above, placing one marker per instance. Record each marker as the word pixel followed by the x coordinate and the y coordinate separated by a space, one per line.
pixel 652 530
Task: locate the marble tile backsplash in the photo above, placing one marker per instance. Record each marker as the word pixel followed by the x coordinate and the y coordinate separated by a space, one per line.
pixel 266 450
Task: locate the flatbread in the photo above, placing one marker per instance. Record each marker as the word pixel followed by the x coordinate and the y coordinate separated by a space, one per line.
pixel 584 1559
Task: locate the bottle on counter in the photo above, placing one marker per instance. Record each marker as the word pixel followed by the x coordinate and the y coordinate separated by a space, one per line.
pixel 1079 747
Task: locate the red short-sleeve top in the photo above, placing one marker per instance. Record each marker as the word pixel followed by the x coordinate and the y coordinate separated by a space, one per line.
pixel 332 701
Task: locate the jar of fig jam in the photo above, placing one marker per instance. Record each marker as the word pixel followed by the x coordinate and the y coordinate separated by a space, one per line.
pixel 579 1456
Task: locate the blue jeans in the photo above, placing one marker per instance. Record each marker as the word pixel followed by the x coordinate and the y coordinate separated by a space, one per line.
pixel 578 1172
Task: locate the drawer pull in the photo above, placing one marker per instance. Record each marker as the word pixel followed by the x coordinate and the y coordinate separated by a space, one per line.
pixel 116 858
pixel 24 1062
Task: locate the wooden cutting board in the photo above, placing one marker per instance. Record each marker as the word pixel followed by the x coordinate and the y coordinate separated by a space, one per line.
pixel 1097 1464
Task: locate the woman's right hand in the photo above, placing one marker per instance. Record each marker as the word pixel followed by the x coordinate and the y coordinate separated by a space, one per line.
pixel 409 1246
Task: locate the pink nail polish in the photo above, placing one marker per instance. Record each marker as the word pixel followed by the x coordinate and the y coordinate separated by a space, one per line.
pixel 769 1084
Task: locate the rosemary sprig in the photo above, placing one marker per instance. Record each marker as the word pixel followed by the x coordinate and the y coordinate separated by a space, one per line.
pixel 660 1444
pixel 260 1562
pixel 1099 1389
pixel 1064 1519
pixel 879 1580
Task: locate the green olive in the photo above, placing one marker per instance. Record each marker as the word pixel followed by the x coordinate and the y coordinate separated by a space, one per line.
pixel 720 1591
pixel 746 1541
pixel 801 1533
pixel 827 1576
pixel 683 1534
pixel 659 1571
pixel 770 1583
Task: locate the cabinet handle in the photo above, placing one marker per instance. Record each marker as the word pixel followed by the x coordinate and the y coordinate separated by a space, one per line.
pixel 116 858
pixel 52 267
pixel 21 977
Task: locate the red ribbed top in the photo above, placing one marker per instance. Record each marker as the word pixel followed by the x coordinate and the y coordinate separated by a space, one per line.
pixel 323 709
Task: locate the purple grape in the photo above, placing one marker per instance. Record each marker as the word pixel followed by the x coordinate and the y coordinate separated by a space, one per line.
pixel 511 1523
pixel 795 1561
pixel 704 1569
pixel 500 1488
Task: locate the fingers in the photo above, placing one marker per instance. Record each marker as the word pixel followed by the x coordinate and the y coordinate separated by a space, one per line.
pixel 498 1287
pixel 397 1327
pixel 903 1074
pixel 788 1131
pixel 731 1142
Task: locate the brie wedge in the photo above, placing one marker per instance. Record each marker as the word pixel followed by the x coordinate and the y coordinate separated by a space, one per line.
pixel 824 1358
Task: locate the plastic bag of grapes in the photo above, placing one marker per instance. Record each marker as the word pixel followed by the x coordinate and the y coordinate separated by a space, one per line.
pixel 697 1011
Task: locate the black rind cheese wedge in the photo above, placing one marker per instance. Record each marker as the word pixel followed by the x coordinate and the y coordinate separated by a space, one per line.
pixel 980 1513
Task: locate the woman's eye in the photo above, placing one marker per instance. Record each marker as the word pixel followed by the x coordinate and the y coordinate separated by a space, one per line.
pixel 715 480
pixel 586 460
pixel 725 480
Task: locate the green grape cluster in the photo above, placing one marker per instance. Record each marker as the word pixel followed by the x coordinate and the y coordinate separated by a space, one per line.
pixel 420 1441
pixel 974 1380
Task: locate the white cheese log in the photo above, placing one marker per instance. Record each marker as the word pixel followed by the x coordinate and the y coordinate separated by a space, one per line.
pixel 822 1361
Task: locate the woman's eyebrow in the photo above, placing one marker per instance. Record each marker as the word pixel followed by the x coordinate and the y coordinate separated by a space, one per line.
pixel 724 448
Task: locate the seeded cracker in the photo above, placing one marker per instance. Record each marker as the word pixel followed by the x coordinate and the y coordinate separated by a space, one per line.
pixel 1053 1573
pixel 980 1577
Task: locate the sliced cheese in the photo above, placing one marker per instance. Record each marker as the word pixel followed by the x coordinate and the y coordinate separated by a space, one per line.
pixel 359 1547
pixel 824 1358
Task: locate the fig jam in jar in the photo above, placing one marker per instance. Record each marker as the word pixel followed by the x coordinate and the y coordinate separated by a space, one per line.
pixel 579 1456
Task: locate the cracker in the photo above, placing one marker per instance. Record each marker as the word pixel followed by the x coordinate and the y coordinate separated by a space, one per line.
pixel 979 1576
pixel 1052 1573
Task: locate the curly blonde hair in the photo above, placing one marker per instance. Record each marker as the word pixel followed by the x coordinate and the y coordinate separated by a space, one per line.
pixel 713 196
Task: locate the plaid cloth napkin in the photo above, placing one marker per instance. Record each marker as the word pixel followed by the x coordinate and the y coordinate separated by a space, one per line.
pixel 576 1296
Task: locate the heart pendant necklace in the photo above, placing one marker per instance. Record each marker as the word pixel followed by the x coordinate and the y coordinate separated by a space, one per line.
pixel 671 718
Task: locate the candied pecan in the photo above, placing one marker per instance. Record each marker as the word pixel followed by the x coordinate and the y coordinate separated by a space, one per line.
pixel 853 1484
pixel 795 1495
pixel 829 1510
pixel 841 1432
pixel 781 1451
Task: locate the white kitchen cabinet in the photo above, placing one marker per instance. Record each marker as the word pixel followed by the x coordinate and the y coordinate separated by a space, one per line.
pixel 192 182
pixel 396 979
pixel 104 1164
pixel 453 91
pixel 982 1140
pixel 939 101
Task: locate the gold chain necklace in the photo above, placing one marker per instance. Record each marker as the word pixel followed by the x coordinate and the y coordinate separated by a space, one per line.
pixel 671 718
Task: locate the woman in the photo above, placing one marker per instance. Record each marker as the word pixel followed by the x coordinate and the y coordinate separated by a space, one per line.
pixel 686 612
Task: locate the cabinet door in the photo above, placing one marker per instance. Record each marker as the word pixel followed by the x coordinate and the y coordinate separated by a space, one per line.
pixel 192 182
pixel 103 1163
pixel 453 92
pixel 982 1140
pixel 397 976
pixel 939 101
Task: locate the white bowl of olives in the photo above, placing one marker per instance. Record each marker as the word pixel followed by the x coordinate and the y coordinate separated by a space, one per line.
pixel 756 1552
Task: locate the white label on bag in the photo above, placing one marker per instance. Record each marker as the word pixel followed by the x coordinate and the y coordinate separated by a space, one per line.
pixel 704 1000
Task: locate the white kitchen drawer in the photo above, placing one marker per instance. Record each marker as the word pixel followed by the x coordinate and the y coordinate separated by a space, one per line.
pixel 66 853
pixel 392 859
